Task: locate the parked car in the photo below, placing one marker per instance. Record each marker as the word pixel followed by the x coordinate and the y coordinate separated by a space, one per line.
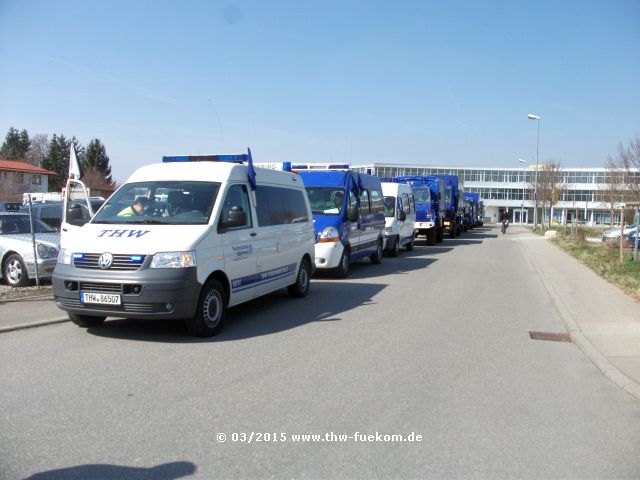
pixel 611 237
pixel 51 212
pixel 16 248
pixel 10 206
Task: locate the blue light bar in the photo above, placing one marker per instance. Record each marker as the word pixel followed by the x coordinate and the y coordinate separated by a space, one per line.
pixel 136 258
pixel 206 158
pixel 77 256
pixel 243 157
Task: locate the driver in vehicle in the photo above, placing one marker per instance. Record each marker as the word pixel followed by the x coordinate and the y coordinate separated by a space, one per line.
pixel 138 207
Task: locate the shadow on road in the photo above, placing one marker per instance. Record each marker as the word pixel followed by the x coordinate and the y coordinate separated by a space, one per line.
pixel 266 315
pixel 166 471
pixel 362 269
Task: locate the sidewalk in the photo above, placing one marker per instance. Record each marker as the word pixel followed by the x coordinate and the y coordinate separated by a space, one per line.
pixel 602 320
pixel 38 309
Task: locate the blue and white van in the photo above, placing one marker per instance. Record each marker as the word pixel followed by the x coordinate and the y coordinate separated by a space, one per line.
pixel 184 239
pixel 348 216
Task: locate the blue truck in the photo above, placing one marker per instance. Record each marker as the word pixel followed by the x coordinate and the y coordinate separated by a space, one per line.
pixel 428 192
pixel 452 205
pixel 348 216
pixel 472 201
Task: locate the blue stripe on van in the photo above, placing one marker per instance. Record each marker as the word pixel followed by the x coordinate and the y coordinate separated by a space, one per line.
pixel 250 281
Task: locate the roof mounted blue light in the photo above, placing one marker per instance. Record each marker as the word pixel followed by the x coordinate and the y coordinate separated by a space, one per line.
pixel 240 158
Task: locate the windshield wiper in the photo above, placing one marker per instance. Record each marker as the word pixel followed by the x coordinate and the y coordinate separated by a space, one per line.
pixel 147 221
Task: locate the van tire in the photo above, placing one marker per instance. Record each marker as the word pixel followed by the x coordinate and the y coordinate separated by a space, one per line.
pixel 411 242
pixel 395 251
pixel 300 288
pixel 211 311
pixel 86 320
pixel 376 258
pixel 342 270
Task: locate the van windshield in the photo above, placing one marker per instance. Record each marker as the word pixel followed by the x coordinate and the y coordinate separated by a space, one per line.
pixel 160 202
pixel 326 200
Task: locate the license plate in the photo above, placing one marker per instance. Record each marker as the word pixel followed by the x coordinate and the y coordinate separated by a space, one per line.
pixel 101 298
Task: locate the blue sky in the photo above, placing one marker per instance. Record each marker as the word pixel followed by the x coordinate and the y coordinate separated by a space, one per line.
pixel 424 82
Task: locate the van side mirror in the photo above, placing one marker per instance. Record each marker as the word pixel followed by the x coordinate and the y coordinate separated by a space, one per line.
pixel 402 216
pixel 237 218
pixel 352 213
pixel 75 216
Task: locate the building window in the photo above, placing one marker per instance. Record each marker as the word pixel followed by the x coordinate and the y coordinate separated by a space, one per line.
pixel 36 180
pixel 18 177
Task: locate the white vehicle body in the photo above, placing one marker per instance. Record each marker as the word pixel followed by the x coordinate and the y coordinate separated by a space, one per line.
pixel 400 216
pixel 163 263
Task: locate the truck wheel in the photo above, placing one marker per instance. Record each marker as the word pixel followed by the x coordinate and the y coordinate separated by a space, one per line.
pixel 431 236
pixel 411 242
pixel 376 258
pixel 300 288
pixel 396 247
pixel 86 320
pixel 15 271
pixel 212 308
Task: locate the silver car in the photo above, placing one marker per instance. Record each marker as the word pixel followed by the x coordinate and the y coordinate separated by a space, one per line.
pixel 611 237
pixel 16 248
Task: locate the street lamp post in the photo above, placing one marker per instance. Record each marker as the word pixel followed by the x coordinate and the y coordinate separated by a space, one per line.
pixel 531 116
pixel 524 182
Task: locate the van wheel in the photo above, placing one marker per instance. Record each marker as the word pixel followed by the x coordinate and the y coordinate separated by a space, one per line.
pixel 410 244
pixel 396 247
pixel 376 258
pixel 212 308
pixel 86 320
pixel 342 270
pixel 301 287
pixel 15 271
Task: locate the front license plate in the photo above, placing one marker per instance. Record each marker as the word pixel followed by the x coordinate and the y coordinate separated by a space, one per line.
pixel 101 298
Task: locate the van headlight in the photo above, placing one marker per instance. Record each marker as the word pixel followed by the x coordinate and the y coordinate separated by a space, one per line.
pixel 174 260
pixel 64 256
pixel 329 234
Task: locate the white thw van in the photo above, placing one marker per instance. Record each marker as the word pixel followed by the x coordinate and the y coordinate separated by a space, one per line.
pixel 184 239
pixel 399 216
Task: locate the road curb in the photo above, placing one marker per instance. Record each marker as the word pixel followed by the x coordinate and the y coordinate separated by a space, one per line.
pixel 13 328
pixel 581 341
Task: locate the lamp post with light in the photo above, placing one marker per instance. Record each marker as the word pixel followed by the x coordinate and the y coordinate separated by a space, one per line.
pixel 531 116
pixel 524 182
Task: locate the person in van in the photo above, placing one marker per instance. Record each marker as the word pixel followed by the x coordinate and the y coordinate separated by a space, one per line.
pixel 138 207
pixel 338 202
pixel 175 203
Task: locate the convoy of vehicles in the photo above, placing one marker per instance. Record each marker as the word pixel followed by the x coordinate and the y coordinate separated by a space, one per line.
pixel 191 236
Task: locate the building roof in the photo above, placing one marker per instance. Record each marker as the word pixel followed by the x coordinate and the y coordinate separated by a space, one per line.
pixel 23 167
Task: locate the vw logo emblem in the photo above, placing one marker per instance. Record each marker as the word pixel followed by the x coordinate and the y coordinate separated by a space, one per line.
pixel 105 261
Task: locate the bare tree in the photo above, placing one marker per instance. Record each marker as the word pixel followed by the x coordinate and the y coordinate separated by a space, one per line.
pixel 629 160
pixel 550 187
pixel 613 187
pixel 38 149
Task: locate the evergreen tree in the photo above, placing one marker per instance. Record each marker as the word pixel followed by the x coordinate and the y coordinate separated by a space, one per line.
pixel 16 145
pixel 57 160
pixel 97 159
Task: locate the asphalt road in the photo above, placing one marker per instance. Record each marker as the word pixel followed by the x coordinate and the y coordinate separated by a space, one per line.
pixel 433 343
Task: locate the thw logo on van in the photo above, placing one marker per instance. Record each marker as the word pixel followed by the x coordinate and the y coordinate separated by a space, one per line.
pixel 123 233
